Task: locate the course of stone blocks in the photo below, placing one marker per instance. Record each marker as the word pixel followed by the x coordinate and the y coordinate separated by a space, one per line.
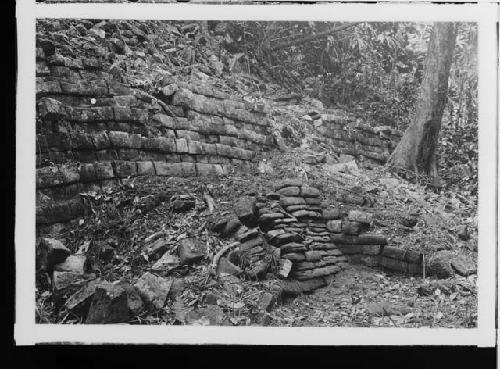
pixel 93 130
pixel 299 237
pixel 348 137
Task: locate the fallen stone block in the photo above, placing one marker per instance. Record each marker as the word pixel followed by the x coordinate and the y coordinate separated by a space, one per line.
pixel 73 263
pixel 440 265
pixel 109 305
pixel 50 252
pixel 360 217
pixel 226 267
pixel 191 250
pixel 246 211
pixel 182 204
pixel 463 266
pixel 354 228
pixel 153 289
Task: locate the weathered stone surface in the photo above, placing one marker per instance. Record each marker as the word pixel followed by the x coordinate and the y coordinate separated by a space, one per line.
pixel 288 201
pixel 294 208
pixel 79 302
pixel 63 280
pixel 210 315
pixel 440 265
pixel 166 263
pixel 334 226
pixel 360 216
pixel 182 205
pixel 393 264
pixel 293 256
pixel 73 263
pixel 61 211
pixel 285 238
pixel 463 266
pixel 363 239
pixel 408 220
pixel 158 247
pixel 109 305
pixel 313 255
pixel 360 249
pixel 125 169
pixel 168 169
pixel 316 273
pixel 312 201
pixel 306 214
pixel 266 301
pixel 268 219
pixel 145 168
pixel 226 267
pixel 463 232
pixel 191 250
pixel 248 234
pixel 289 191
pixel 258 269
pixel 354 228
pixel 289 182
pixel 246 211
pixel 51 109
pixel 285 267
pixel 50 252
pixel 294 288
pixel 307 191
pixel 153 290
pixel 231 226
pixel 247 245
pixel 292 247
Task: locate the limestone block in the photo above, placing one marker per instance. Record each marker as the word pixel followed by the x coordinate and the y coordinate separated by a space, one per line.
pixel 164 120
pixel 223 150
pixel 117 88
pixel 44 86
pixel 92 114
pixel 125 169
pixel 106 155
pixel 168 169
pixel 188 169
pixel 182 146
pixel 103 170
pixel 120 139
pixel 166 145
pixel 195 147
pixel 128 154
pixel 85 88
pixel 145 168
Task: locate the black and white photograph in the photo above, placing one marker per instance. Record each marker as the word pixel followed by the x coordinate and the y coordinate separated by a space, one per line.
pixel 257 173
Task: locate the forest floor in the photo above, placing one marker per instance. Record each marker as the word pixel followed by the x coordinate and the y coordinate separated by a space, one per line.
pixel 135 213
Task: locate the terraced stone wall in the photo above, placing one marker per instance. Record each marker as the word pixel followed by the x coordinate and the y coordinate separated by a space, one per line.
pixel 374 144
pixel 94 130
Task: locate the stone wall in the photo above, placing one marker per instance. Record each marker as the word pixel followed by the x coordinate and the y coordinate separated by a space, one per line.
pixel 359 140
pixel 94 130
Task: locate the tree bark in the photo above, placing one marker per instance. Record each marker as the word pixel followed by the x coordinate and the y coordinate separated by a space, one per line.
pixel 303 40
pixel 417 149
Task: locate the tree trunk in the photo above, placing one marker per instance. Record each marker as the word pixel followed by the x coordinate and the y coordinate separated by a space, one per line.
pixel 417 149
pixel 299 41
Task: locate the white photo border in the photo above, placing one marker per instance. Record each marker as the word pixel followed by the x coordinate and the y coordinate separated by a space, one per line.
pixel 28 333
